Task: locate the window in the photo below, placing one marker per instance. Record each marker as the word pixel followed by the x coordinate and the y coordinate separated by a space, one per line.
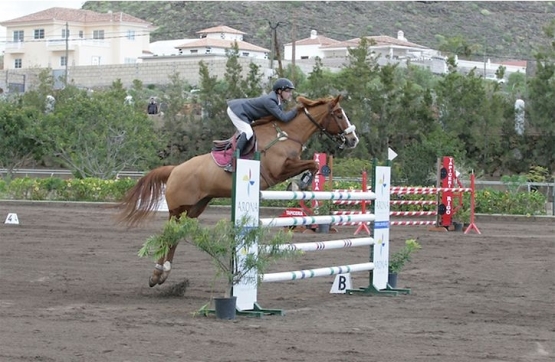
pixel 18 63
pixel 81 34
pixel 65 33
pixel 130 60
pixel 245 54
pixel 194 51
pixel 39 34
pixel 98 34
pixel 131 34
pixel 63 61
pixel 18 35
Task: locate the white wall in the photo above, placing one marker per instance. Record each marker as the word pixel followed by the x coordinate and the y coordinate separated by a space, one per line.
pixel 310 51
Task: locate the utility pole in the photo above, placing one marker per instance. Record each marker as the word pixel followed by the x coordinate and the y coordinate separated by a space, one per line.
pixel 485 57
pixel 294 39
pixel 275 49
pixel 67 53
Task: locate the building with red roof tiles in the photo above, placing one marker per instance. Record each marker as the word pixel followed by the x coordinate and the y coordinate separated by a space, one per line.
pixel 61 37
pixel 213 41
pixel 309 47
pixel 384 45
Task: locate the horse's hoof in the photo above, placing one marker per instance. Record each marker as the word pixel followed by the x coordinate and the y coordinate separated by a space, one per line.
pixel 156 275
pixel 166 273
pixel 163 277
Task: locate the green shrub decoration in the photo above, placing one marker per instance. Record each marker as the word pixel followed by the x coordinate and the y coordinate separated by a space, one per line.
pixel 516 200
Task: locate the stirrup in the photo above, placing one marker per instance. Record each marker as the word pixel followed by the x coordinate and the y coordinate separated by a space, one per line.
pixel 228 168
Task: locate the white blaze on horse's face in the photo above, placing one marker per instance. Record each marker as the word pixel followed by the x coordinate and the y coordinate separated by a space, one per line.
pixel 351 138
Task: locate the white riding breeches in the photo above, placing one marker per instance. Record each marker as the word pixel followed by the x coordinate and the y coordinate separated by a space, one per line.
pixel 241 125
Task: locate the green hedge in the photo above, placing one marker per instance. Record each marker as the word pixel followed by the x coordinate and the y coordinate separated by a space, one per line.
pixel 89 189
pixel 488 201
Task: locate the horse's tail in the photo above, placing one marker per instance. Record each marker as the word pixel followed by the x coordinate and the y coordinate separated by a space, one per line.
pixel 142 199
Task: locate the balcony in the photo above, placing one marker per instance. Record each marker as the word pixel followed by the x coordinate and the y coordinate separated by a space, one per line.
pixel 74 43
pixel 54 45
pixel 14 47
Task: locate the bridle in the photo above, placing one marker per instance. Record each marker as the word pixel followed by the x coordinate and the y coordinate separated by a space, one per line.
pixel 339 138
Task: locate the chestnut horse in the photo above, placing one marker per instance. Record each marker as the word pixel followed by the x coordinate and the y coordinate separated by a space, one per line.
pixel 190 186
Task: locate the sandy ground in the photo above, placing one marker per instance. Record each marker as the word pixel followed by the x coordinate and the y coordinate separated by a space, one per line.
pixel 73 289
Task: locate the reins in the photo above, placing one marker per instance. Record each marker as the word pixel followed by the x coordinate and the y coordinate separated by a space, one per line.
pixel 338 138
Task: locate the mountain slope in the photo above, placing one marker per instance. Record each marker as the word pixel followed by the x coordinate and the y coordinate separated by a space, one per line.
pixel 508 30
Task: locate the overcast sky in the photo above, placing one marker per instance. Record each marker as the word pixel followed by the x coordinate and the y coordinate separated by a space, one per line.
pixel 15 9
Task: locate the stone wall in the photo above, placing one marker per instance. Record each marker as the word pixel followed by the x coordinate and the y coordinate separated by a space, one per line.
pixel 94 76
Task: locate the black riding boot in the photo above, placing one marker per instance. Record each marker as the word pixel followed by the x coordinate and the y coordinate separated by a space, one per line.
pixel 241 143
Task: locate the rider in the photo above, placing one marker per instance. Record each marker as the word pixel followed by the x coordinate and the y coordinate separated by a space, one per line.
pixel 243 112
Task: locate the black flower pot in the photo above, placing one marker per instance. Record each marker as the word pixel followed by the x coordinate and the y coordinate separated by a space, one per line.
pixel 392 280
pixel 225 308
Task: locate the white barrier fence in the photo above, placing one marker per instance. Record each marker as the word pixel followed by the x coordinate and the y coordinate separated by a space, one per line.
pixel 249 206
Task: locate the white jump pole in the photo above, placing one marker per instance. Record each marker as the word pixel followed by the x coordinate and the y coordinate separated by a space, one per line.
pixel 312 273
pixel 325 245
pixel 309 220
pixel 316 195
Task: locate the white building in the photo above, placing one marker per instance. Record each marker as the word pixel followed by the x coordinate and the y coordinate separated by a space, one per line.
pixel 386 46
pixel 213 42
pixel 167 47
pixel 309 47
pixel 60 37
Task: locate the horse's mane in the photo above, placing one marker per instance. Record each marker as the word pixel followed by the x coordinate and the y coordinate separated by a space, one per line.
pixel 303 102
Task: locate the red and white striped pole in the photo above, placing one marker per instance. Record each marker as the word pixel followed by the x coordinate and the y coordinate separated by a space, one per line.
pixel 472 206
pixel 363 226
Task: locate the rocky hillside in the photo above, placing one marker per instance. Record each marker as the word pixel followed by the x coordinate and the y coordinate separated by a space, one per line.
pixel 509 30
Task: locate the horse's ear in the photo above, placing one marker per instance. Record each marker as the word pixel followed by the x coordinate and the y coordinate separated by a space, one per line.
pixel 302 100
pixel 338 98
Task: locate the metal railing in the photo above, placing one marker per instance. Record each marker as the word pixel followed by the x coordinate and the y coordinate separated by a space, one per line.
pixel 39 172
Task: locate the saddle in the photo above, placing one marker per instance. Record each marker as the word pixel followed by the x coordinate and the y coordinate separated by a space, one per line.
pixel 223 150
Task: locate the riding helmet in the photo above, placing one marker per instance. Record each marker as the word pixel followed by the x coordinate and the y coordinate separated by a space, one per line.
pixel 283 83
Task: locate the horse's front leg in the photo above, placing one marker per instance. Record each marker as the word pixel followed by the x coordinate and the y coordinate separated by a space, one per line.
pixel 162 268
pixel 293 167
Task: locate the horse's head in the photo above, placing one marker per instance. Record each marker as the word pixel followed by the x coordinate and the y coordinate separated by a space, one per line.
pixel 334 123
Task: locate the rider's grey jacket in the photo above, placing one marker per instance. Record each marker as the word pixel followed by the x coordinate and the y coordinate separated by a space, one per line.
pixel 251 109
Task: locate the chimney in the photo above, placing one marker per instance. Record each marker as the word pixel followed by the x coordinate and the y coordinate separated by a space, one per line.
pixel 401 35
pixel 313 34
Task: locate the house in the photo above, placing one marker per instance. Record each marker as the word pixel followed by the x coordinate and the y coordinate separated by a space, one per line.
pixel 60 37
pixel 167 47
pixel 488 68
pixel 386 46
pixel 309 47
pixel 213 41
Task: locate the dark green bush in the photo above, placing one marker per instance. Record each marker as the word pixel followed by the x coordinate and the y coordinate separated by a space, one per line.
pixel 488 201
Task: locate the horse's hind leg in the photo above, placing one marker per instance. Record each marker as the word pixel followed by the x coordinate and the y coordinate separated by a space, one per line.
pixel 157 273
pixel 167 266
pixel 162 268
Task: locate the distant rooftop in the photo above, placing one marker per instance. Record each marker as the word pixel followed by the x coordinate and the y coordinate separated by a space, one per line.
pixel 75 15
